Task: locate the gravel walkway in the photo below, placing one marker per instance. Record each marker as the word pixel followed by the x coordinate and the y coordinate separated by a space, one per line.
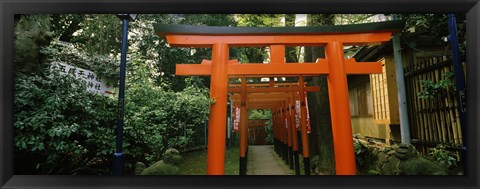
pixel 262 160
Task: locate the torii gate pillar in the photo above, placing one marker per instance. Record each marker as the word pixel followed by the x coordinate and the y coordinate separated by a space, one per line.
pixel 218 112
pixel 339 110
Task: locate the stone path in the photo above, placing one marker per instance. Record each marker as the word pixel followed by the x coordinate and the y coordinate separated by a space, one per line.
pixel 262 160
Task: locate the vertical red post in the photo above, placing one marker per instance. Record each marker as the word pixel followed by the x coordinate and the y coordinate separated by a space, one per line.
pixel 340 110
pixel 277 54
pixel 218 112
pixel 303 125
pixel 278 130
pixel 243 127
pixel 294 133
pixel 274 128
pixel 284 133
pixel 288 126
pixel 293 122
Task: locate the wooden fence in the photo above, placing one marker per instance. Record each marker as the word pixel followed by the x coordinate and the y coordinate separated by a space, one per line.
pixel 436 120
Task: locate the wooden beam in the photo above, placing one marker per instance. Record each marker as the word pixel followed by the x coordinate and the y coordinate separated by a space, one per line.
pixel 284 69
pixel 275 84
pixel 235 69
pixel 274 89
pixel 206 41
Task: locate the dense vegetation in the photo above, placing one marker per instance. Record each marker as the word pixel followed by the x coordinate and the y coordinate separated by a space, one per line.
pixel 62 129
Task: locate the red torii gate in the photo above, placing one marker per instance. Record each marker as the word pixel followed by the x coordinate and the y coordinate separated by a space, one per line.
pixel 276 96
pixel 220 39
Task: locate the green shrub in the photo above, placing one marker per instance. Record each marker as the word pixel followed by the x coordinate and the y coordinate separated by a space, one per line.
pixel 60 128
pixel 156 120
pixel 444 157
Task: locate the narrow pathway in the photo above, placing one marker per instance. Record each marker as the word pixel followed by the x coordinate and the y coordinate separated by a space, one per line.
pixel 262 160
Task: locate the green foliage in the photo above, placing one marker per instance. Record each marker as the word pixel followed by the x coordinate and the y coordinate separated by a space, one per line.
pixel 93 28
pixel 362 154
pixel 374 172
pixel 65 26
pixel 250 54
pixel 61 129
pixel 435 27
pixel 195 162
pixel 259 114
pixel 167 166
pixel 443 156
pixel 342 19
pixel 208 19
pixel 430 89
pixel 55 119
pixel 259 20
pixel 159 57
pixel 61 125
pixel 263 114
pixel 157 119
pixel 31 34
pixel 74 55
pixel 161 168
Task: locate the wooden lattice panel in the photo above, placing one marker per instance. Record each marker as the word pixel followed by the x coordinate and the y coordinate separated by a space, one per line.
pixel 384 94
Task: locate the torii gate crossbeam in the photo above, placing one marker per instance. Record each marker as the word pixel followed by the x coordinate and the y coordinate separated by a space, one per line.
pixel 220 39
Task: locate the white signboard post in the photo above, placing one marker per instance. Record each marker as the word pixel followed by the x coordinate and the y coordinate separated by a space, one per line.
pixel 95 84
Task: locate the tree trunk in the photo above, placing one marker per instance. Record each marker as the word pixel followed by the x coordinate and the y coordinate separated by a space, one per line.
pixel 290 52
pixel 321 139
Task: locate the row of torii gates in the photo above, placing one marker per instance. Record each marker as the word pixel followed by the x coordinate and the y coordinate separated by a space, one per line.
pixel 281 99
pixel 275 97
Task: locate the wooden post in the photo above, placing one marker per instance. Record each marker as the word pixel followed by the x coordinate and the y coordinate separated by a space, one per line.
pixel 402 95
pixel 289 133
pixel 294 134
pixel 275 129
pixel 303 125
pixel 340 110
pixel 218 112
pixel 284 134
pixel 243 128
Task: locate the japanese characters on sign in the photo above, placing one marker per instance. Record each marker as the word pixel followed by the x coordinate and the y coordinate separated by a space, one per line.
pixel 236 119
pixel 308 114
pixel 94 83
pixel 297 114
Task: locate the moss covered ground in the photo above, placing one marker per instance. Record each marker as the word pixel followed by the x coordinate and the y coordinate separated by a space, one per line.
pixel 195 163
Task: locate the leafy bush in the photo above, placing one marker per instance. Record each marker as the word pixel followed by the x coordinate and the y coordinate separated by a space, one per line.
pixel 157 120
pixel 103 65
pixel 430 88
pixel 362 154
pixel 60 128
pixel 443 156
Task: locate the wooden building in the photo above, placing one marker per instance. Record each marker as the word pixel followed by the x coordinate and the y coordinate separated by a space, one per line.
pixel 374 101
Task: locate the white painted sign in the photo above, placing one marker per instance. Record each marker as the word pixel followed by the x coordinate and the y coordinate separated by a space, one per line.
pixel 309 128
pixel 297 114
pixel 236 119
pixel 95 84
